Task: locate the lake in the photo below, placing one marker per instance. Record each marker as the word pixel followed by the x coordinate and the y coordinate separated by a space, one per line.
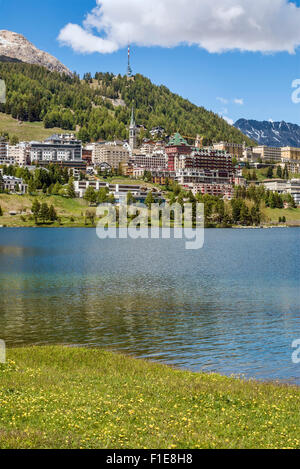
pixel 232 307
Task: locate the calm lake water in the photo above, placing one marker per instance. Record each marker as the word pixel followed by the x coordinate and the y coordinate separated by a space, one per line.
pixel 232 307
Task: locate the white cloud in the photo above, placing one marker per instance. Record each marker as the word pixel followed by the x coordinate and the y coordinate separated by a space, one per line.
pixel 222 100
pixel 239 101
pixel 215 25
pixel 224 111
pixel 228 120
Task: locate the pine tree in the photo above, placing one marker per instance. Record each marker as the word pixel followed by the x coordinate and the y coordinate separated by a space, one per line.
pixel 102 196
pixel 44 212
pixel 130 198
pixel 279 172
pixel 149 200
pixel 31 187
pixel 52 213
pixel 90 195
pixel 270 172
pixel 71 189
pixel 36 206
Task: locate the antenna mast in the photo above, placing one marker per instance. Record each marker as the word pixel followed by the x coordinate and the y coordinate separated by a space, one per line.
pixel 129 69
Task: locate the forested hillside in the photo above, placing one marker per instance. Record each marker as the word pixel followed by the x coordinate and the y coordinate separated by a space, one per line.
pixel 35 94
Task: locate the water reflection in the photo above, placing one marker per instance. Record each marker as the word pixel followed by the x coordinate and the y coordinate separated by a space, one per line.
pixel 220 309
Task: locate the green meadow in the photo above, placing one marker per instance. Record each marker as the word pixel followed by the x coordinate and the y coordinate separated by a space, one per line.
pixel 66 397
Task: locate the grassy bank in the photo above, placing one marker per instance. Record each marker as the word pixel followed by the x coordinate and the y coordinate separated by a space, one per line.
pixel 292 215
pixel 70 211
pixel 26 131
pixel 59 397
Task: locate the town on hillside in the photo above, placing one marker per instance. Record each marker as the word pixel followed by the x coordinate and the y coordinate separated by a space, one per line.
pixel 220 170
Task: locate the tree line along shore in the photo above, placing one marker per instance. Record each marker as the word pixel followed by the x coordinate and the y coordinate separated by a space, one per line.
pixel 51 201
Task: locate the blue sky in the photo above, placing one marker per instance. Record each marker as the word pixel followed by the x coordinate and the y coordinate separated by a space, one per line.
pixel 254 85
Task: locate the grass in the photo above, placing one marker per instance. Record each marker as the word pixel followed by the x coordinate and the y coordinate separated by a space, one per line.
pixel 72 211
pixel 292 215
pixel 262 174
pixel 64 397
pixel 131 182
pixel 26 131
pixel 65 208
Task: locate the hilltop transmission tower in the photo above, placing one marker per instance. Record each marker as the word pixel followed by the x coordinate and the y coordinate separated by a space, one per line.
pixel 129 69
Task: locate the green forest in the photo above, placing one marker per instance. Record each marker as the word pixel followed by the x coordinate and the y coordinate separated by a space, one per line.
pixel 87 105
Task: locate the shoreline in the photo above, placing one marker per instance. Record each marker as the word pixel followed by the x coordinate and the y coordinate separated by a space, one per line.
pixel 132 356
pixel 116 401
pixel 206 228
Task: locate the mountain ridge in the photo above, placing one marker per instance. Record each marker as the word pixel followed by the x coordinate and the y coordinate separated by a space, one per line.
pixel 273 134
pixel 15 47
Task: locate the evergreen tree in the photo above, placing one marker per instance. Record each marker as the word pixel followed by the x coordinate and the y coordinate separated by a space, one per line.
pixel 255 215
pixel 111 199
pixel 102 196
pixel 270 172
pixel 44 212
pixel 130 198
pixel 90 195
pixel 71 189
pixel 52 213
pixel 31 187
pixel 149 200
pixel 279 172
pixel 14 140
pixel 56 188
pixel 36 206
pixel 245 218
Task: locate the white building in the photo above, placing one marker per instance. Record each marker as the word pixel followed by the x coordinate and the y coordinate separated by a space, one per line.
pixel 293 188
pixel 119 191
pixel 13 184
pixel 58 148
pixel 276 185
pixel 282 186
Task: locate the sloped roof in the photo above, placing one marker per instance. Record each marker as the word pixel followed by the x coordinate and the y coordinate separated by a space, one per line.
pixel 177 140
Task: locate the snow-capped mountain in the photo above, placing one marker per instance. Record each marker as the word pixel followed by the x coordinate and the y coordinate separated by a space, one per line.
pixel 273 134
pixel 15 47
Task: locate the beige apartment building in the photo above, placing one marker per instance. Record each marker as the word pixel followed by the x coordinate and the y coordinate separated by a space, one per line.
pixel 291 157
pixel 234 149
pixel 113 155
pixel 19 153
pixel 268 153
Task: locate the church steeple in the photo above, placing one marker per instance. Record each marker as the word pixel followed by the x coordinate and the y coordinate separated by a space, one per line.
pixel 132 131
pixel 132 122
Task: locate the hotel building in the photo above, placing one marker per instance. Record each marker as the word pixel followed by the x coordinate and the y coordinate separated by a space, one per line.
pixel 111 154
pixel 60 149
pixel 272 154
pixel 291 157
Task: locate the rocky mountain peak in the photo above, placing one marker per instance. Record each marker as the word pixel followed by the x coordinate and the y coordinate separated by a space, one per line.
pixel 16 47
